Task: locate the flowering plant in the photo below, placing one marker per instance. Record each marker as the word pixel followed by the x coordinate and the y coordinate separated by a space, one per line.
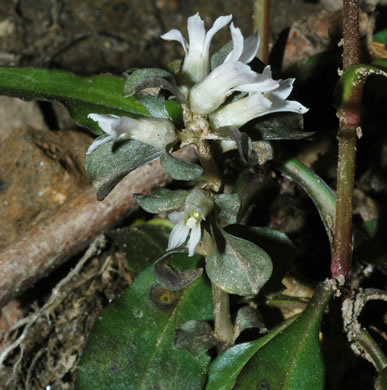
pixel 213 269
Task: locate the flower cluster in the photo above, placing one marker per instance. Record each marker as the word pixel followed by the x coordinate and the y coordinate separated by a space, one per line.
pixel 206 87
pixel 211 89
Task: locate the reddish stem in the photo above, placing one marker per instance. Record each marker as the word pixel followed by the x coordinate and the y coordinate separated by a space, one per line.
pixel 349 122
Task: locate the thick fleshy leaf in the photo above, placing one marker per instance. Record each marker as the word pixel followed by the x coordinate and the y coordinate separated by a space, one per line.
pixel 228 206
pixel 152 78
pixel 180 169
pixel 81 95
pixel 170 278
pixel 292 359
pixel 195 337
pixel 225 369
pixel 280 126
pixel 154 104
pixel 108 164
pixel 238 266
pixel 132 343
pixel 162 200
pixel 141 244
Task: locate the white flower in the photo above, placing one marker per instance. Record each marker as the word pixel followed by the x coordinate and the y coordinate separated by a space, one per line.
pixel 196 64
pixel 257 104
pixel 233 75
pixel 152 131
pixel 188 222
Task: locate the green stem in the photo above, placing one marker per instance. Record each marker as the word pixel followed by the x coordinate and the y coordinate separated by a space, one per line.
pixel 349 121
pixel 223 326
pixel 211 170
pixel 342 240
pixel 364 339
pixel 262 24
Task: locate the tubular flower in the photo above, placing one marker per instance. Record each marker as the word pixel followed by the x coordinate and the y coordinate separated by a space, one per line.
pixel 152 131
pixel 232 75
pixel 196 65
pixel 188 222
pixel 256 104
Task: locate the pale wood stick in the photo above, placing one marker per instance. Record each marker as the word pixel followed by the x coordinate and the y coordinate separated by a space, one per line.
pixel 76 223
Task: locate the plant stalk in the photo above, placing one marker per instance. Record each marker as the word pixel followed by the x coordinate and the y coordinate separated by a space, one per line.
pixel 262 24
pixel 372 349
pixel 349 126
pixel 223 326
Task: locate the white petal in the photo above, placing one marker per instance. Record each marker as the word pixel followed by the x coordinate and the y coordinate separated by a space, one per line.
pixel 196 34
pixel 178 236
pixel 250 48
pixel 242 111
pixel 196 235
pixel 237 41
pixel 176 217
pixel 104 121
pixel 209 94
pixel 100 142
pixel 175 35
pixel 218 24
pixel 279 105
pixel 124 125
pixel 284 89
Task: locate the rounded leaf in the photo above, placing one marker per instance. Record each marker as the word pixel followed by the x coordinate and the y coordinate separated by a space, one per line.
pixel 239 267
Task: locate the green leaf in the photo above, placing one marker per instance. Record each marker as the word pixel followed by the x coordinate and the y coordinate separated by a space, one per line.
pixel 195 337
pixel 381 36
pixel 353 79
pixel 180 169
pixel 108 164
pixel 154 104
pixel 321 194
pixel 228 207
pixel 141 244
pixel 225 369
pixel 138 79
pixel 131 345
pixel 292 359
pixel 280 126
pixel 382 380
pixel 81 95
pixel 248 317
pixel 141 79
pixel 238 266
pixel 162 200
pixel 171 279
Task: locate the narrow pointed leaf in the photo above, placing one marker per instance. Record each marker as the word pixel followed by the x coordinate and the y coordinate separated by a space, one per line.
pixel 322 195
pixel 131 346
pixel 81 95
pixel 292 359
pixel 162 200
pixel 108 164
pixel 225 369
pixel 240 267
pixel 180 169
